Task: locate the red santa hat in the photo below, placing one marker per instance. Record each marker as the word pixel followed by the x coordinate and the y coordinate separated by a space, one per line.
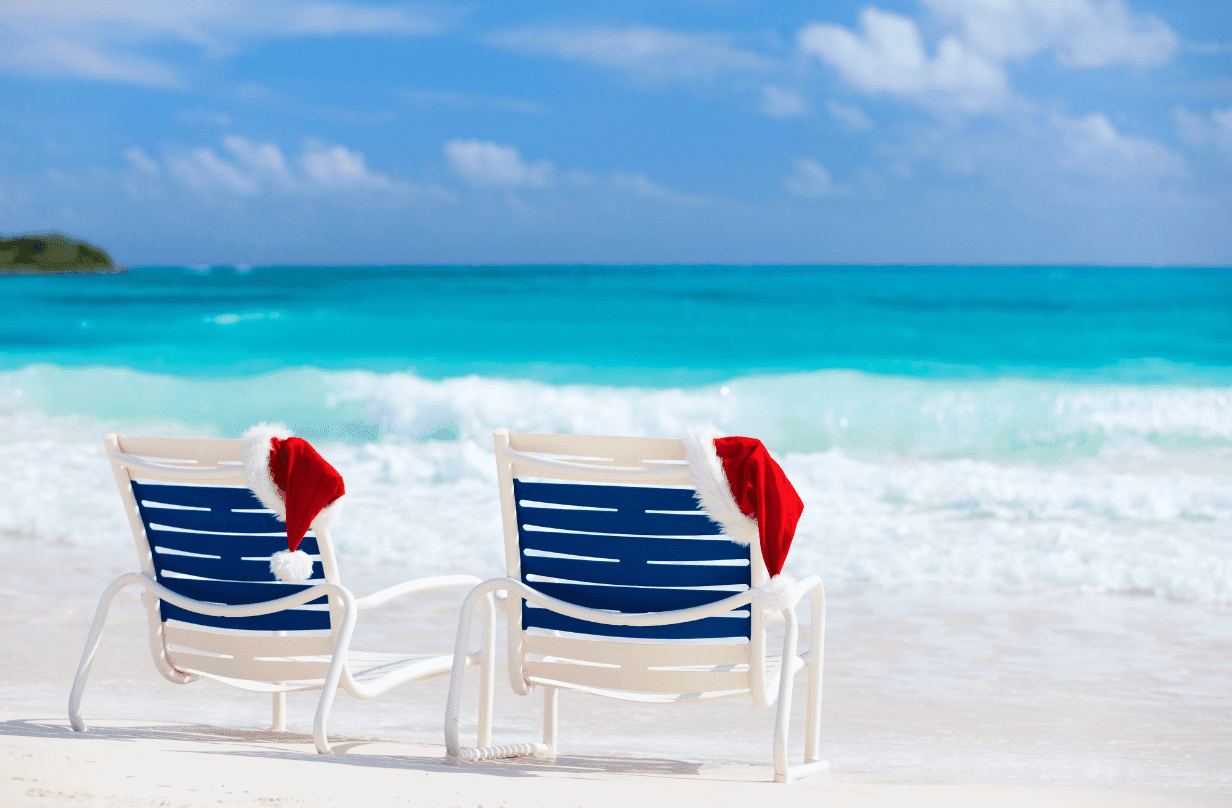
pixel 296 483
pixel 744 490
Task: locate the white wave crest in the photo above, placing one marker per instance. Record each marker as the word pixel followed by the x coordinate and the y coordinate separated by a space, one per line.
pixel 1006 484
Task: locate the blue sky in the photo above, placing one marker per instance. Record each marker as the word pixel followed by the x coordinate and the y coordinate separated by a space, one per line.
pixel 938 131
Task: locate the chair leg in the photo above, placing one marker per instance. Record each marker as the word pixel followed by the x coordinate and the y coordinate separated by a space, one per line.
pixel 329 688
pixel 812 765
pixel 812 725
pixel 454 751
pixel 280 712
pixel 816 665
pixel 92 641
pixel 551 701
pixel 487 672
pixel 782 718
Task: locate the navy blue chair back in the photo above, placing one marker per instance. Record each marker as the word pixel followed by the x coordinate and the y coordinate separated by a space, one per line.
pixel 213 543
pixel 629 549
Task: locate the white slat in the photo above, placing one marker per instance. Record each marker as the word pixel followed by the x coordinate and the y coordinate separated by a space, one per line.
pixel 622 451
pixel 632 471
pixel 248 645
pixel 205 451
pixel 639 679
pixel 636 654
pixel 260 670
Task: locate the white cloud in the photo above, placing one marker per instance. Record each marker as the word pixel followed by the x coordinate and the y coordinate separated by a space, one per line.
pixel 1223 125
pixel 338 166
pixel 779 103
pixel 1092 145
pixel 648 52
pixel 259 159
pixel 889 57
pixel 643 186
pixel 1191 127
pixel 851 117
pixel 205 172
pixel 250 169
pixel 102 39
pixel 967 72
pixel 142 162
pixel 811 180
pixel 23 51
pixel 484 164
pixel 1202 130
pixel 1082 33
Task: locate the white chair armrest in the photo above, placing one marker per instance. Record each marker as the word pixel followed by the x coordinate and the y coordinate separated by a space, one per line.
pixel 810 584
pixel 521 590
pixel 416 587
pixel 241 609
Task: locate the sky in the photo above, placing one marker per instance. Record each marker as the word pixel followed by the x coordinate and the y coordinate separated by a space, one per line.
pixel 703 131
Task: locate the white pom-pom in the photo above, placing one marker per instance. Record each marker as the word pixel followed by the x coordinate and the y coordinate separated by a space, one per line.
pixel 776 594
pixel 293 568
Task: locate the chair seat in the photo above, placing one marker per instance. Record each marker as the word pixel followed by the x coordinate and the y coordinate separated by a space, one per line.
pixel 772 670
pixel 366 666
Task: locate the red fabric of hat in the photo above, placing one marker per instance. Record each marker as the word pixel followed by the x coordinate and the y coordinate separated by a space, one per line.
pixel 308 484
pixel 762 492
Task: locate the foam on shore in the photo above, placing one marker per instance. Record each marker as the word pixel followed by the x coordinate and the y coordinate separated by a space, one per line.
pixel 1009 485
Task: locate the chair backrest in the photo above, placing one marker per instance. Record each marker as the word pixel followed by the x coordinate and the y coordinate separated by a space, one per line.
pixel 612 523
pixel 210 540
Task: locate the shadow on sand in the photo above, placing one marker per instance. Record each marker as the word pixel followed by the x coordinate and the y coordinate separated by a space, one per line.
pixel 347 751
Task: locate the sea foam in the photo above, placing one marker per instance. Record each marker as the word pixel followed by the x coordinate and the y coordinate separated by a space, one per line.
pixel 1001 484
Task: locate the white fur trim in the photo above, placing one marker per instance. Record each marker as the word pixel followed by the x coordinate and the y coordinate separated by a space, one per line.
pixel 775 594
pixel 257 448
pixel 329 514
pixel 291 567
pixel 713 491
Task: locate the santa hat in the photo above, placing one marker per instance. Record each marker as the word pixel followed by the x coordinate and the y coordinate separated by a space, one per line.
pixel 296 483
pixel 744 490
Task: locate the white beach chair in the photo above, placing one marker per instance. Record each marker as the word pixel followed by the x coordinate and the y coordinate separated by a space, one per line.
pixel 619 585
pixel 215 610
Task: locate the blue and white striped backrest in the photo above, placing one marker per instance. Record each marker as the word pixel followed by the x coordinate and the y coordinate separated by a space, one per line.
pixel 611 523
pixel 213 543
pixel 627 548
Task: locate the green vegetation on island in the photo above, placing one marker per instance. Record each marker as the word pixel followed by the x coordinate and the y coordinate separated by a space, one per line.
pixel 52 252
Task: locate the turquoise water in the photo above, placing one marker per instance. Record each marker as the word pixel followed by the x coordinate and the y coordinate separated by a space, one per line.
pixel 1053 429
pixel 644 326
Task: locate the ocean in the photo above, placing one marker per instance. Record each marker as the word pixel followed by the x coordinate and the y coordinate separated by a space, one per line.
pixel 1017 482
pixel 990 427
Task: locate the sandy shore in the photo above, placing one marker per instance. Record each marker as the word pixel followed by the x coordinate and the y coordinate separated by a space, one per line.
pixel 122 763
pixel 932 698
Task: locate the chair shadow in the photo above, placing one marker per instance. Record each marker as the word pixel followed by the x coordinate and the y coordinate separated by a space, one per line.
pixel 348 751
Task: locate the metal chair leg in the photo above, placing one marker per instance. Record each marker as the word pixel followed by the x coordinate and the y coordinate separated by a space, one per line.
pixel 92 641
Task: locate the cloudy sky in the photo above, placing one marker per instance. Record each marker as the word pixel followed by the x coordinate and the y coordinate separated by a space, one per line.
pixel 724 131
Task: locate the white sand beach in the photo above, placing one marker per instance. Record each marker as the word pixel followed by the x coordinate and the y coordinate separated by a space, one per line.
pixel 931 698
pixel 158 763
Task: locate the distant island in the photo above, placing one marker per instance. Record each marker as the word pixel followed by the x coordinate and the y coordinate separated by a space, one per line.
pixel 52 251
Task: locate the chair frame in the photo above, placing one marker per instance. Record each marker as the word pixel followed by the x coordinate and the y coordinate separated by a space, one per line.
pixel 614 460
pixel 218 462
